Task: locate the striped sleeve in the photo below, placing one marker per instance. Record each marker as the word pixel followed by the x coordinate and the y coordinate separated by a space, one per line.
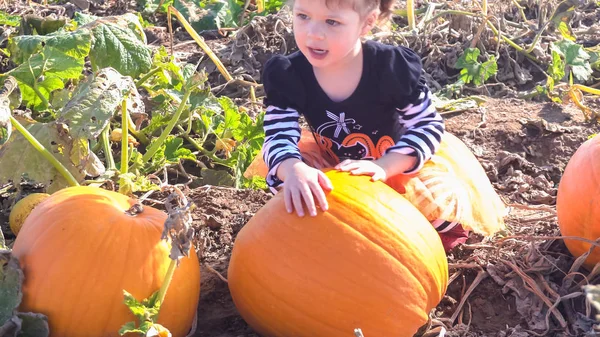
pixel 282 134
pixel 424 129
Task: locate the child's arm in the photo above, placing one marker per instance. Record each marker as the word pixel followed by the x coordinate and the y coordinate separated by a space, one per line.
pixel 282 133
pixel 424 128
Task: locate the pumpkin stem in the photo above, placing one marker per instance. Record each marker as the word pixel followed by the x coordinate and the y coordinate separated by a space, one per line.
pixel 135 209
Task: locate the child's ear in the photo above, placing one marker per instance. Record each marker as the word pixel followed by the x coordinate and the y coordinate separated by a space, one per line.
pixel 369 23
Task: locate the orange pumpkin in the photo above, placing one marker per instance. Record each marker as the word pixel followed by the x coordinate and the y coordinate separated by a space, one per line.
pixel 372 261
pixel 578 200
pixel 80 249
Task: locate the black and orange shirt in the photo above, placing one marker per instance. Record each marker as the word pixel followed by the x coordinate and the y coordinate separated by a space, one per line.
pixel 390 110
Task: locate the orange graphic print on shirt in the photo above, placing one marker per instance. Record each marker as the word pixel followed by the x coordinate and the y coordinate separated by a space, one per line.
pixel 354 146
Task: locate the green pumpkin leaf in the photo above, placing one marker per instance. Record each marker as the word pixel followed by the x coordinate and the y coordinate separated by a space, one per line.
pixel 488 69
pixel 129 327
pixel 576 58
pixel 146 312
pixel 9 20
pixel 59 60
pixel 11 278
pixel 83 19
pixel 75 44
pixel 474 71
pixel 250 130
pixel 156 122
pixel 119 42
pixel 231 117
pixel 150 6
pixel 170 74
pixel 557 68
pixel 174 152
pixel 215 13
pixel 565 31
pixel 595 58
pixel 137 308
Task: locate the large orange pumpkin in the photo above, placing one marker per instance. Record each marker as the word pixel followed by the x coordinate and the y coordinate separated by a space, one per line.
pixel 372 261
pixel 578 200
pixel 79 249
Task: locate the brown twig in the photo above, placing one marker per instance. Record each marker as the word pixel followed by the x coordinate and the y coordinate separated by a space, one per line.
pixel 212 270
pixel 463 265
pixel 482 274
pixel 534 208
pixel 478 34
pixel 552 237
pixel 533 287
pixel 547 287
pixel 537 218
pixel 454 276
pixel 216 90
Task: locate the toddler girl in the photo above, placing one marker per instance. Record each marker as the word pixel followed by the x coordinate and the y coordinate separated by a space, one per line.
pixel 368 107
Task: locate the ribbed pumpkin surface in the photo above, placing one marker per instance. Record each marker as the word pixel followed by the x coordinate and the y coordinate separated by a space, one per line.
pixel 372 261
pixel 578 200
pixel 79 250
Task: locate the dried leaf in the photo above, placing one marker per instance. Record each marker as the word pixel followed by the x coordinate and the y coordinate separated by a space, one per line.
pixel 178 226
pixel 225 144
pixel 11 327
pixel 4 119
pixel 33 325
pixel 18 157
pixel 95 101
pixel 11 278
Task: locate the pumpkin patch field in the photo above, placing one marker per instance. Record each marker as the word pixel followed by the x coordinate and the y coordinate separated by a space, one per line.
pixel 133 201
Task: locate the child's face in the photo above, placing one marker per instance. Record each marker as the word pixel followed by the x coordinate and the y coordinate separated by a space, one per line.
pixel 325 35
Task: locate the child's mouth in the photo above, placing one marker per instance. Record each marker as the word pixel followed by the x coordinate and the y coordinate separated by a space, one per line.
pixel 318 53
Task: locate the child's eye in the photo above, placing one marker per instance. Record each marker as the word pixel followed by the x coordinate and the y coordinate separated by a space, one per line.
pixel 332 22
pixel 302 16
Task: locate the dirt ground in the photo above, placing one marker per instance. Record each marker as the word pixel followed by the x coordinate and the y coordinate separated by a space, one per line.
pixel 524 148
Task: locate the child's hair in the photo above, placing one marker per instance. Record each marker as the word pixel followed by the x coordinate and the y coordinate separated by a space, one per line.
pixel 363 7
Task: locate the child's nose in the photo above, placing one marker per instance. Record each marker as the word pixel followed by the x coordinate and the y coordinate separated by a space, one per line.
pixel 315 31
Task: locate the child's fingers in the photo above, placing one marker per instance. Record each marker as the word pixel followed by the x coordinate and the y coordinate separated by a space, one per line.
pixel 324 181
pixel 321 198
pixel 343 164
pixel 307 195
pixel 378 176
pixel 287 197
pixel 297 201
pixel 360 171
pixel 351 166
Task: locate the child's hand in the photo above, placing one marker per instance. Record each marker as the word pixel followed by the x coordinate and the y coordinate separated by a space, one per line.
pixel 303 184
pixel 363 167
